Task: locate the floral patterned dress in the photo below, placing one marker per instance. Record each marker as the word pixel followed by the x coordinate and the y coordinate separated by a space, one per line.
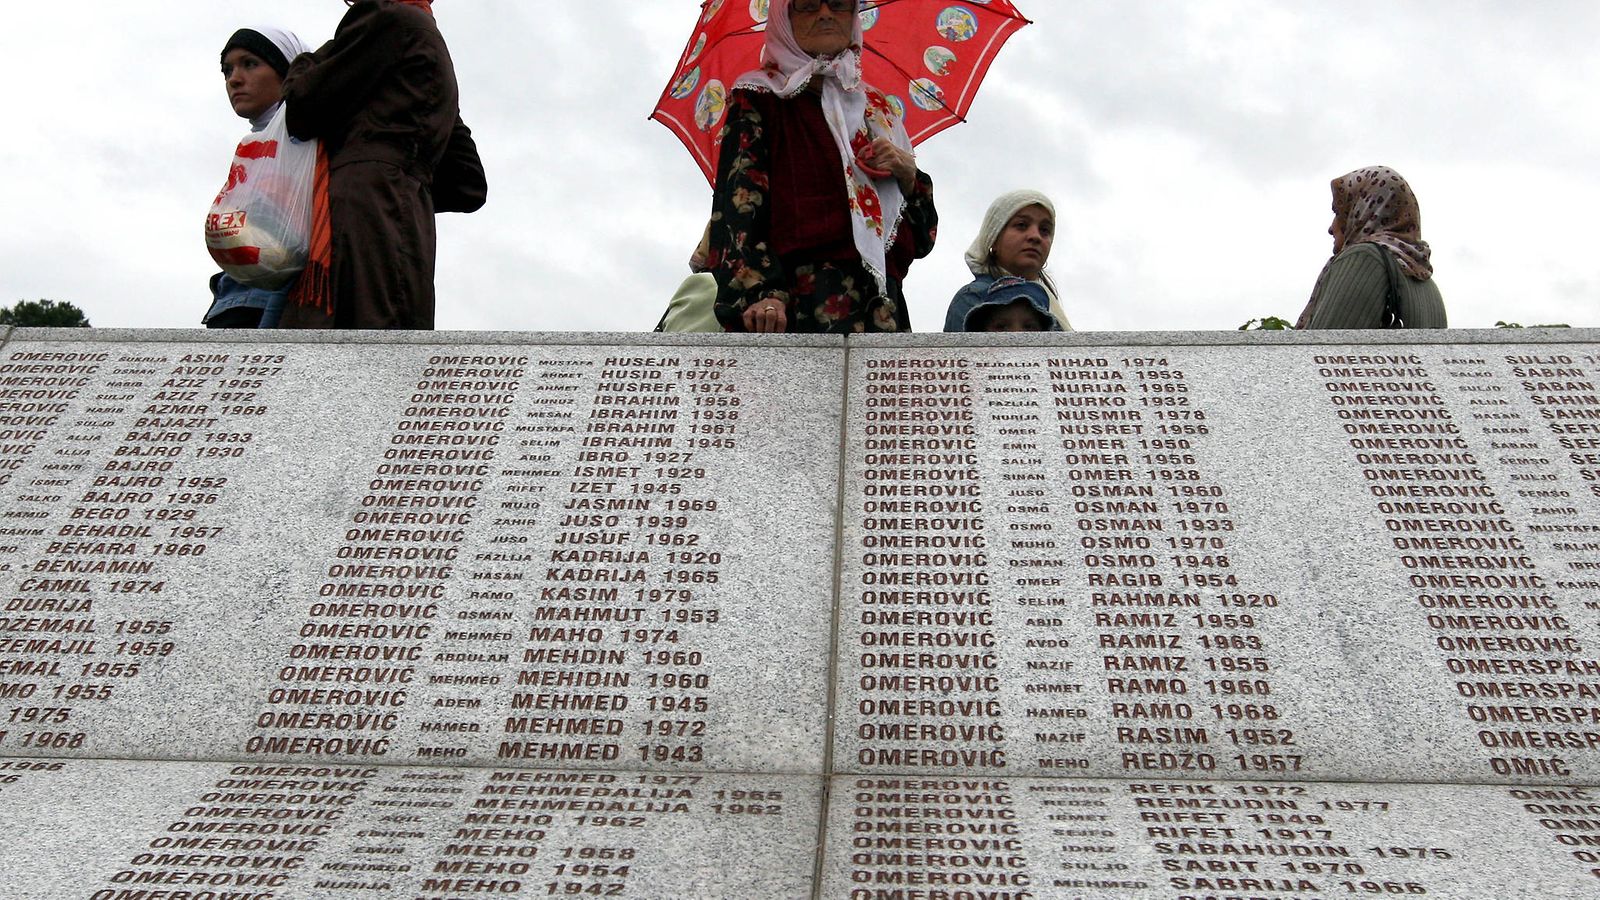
pixel 781 223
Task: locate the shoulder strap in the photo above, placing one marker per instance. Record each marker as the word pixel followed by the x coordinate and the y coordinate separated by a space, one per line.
pixel 1391 293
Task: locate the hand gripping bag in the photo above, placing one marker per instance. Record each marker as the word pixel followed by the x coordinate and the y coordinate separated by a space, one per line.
pixel 260 224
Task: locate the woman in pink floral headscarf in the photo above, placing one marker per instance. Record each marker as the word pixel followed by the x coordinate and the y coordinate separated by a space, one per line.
pixel 819 207
pixel 1381 273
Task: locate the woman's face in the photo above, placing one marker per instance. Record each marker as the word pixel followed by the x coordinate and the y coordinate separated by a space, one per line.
pixel 253 86
pixel 822 27
pixel 1337 228
pixel 1023 246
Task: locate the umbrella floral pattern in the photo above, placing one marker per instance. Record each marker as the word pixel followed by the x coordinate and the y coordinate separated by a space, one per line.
pixel 927 56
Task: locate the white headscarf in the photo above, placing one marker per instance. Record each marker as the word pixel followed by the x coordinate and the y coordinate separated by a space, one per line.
pixel 290 45
pixel 980 255
pixel 856 114
pixel 286 41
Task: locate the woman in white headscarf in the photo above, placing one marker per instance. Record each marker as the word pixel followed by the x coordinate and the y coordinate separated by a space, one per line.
pixel 1017 233
pixel 254 63
pixel 819 207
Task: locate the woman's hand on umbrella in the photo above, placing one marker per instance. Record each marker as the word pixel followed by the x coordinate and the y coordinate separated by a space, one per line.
pixel 766 316
pixel 884 156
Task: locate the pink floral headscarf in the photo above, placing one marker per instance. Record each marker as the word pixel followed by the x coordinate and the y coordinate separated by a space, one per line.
pixel 1375 206
pixel 1378 207
pixel 857 114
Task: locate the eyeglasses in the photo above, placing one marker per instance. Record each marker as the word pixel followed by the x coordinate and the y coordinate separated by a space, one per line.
pixel 842 7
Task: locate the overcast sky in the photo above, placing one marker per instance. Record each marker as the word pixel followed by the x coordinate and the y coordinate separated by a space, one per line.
pixel 1188 146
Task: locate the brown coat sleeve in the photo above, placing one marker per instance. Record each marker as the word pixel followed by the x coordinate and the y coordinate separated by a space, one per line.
pixel 325 90
pixel 459 183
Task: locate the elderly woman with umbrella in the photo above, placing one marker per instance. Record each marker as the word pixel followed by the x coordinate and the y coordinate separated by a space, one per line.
pixel 819 208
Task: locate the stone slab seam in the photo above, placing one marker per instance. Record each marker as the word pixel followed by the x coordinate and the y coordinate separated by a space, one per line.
pixel 832 684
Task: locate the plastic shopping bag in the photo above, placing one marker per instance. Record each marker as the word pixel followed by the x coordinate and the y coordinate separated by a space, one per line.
pixel 260 224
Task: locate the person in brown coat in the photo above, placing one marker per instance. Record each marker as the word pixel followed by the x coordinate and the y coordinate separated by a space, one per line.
pixel 382 98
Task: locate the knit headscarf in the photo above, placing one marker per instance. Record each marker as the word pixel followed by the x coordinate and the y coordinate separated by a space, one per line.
pixel 1375 206
pixel 980 256
pixel 276 47
pixel 857 114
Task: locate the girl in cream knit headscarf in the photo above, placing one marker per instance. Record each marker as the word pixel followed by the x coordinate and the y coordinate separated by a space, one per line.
pixel 1015 239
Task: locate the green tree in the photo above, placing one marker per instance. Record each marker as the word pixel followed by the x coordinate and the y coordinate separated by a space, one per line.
pixel 1268 323
pixel 43 314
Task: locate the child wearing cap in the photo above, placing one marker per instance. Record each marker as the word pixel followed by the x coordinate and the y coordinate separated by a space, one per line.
pixel 1010 304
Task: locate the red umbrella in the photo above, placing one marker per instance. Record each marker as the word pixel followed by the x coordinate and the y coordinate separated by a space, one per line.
pixel 927 55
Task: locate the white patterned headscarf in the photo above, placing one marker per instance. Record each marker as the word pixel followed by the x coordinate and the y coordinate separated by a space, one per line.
pixel 857 114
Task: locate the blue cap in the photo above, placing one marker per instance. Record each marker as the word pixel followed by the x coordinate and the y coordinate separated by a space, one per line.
pixel 1008 290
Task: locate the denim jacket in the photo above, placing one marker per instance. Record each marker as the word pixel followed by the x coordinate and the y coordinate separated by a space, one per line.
pixel 229 294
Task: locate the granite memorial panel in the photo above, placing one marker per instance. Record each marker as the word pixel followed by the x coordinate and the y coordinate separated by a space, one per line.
pixel 302 616
pixel 533 551
pixel 206 831
pixel 1313 561
pixel 978 836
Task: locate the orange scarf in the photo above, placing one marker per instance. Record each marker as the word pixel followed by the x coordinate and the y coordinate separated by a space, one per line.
pixel 314 288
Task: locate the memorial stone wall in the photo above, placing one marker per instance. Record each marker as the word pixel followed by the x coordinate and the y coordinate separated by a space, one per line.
pixel 917 618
